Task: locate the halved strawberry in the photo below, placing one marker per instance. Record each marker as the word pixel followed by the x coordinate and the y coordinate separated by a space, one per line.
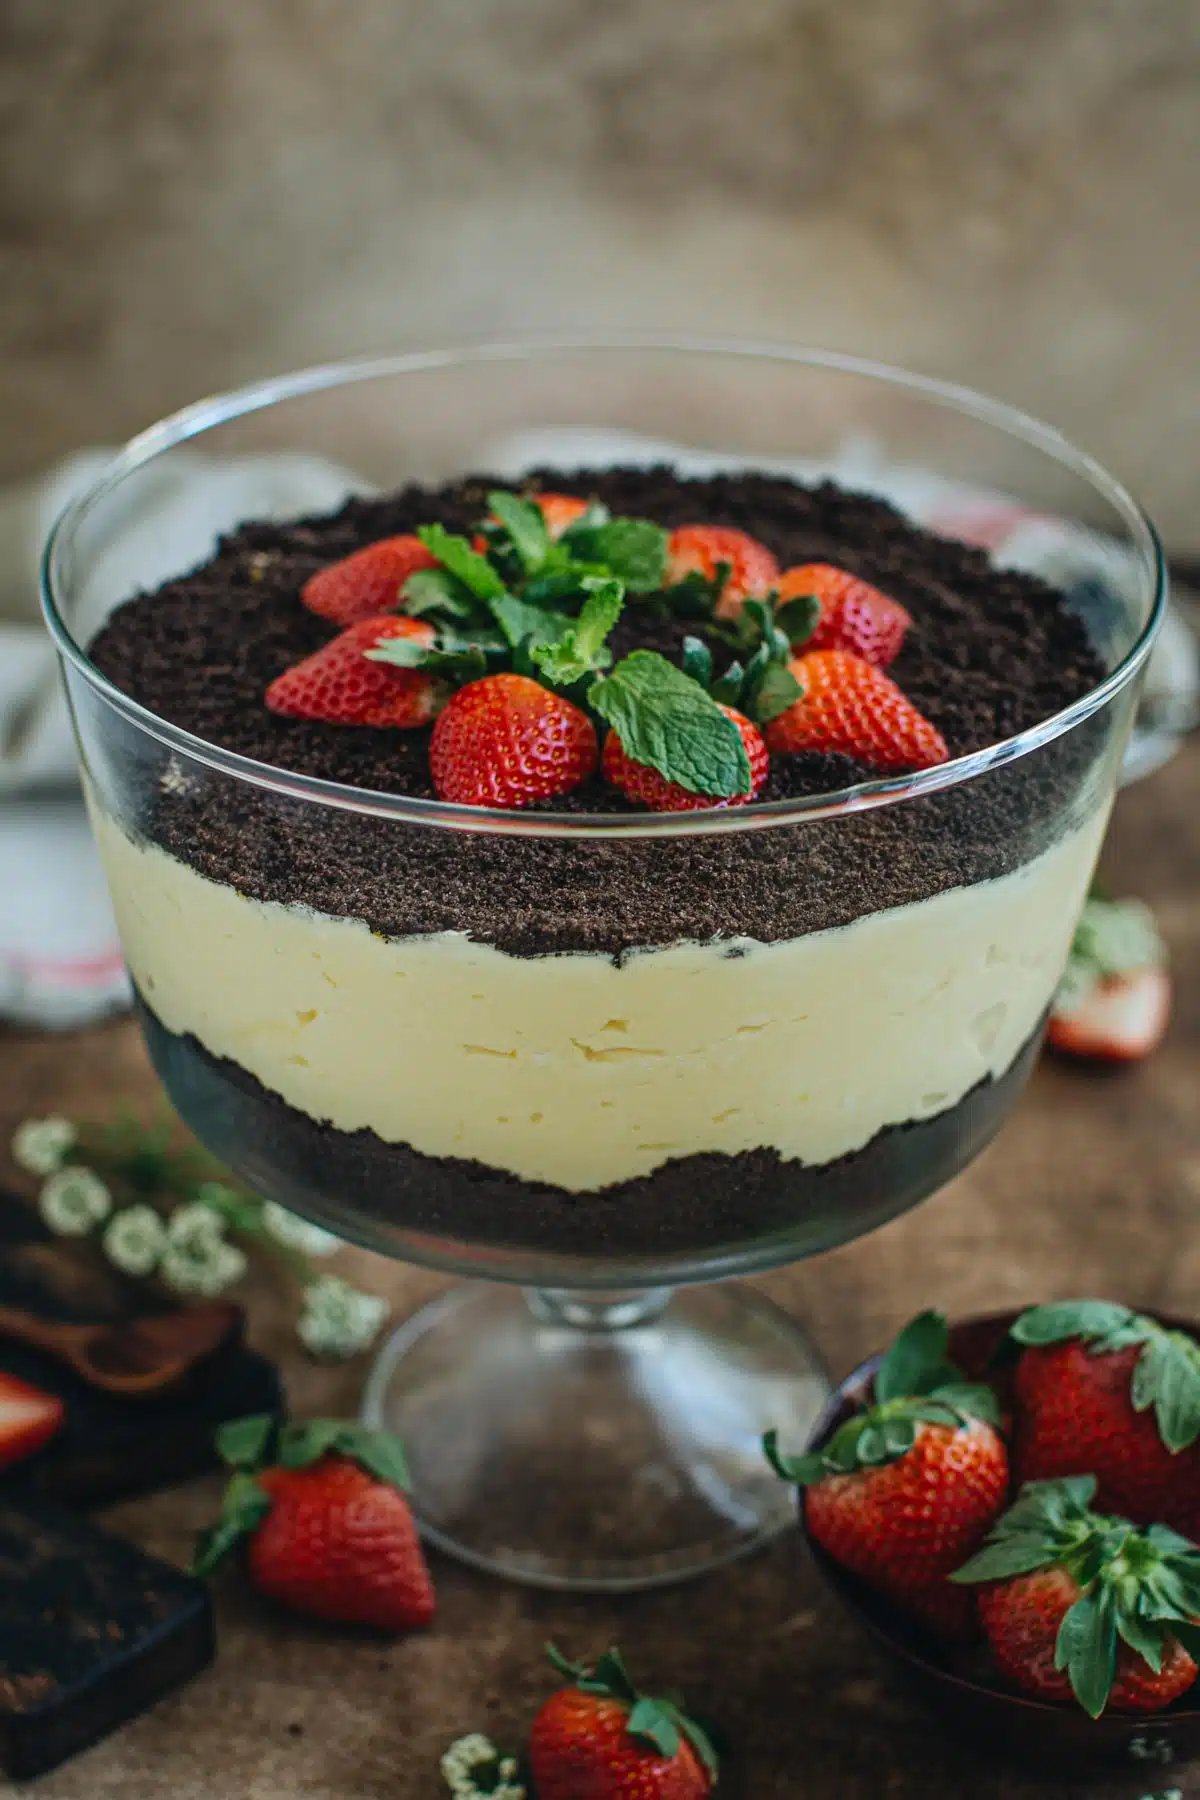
pixel 647 787
pixel 751 572
pixel 29 1418
pixel 852 708
pixel 507 741
pixel 854 615
pixel 340 685
pixel 1120 1020
pixel 361 586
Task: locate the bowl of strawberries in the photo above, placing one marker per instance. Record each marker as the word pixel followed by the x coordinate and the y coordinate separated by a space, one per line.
pixel 1010 1507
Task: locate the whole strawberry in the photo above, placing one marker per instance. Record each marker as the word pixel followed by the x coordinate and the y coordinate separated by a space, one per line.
pixel 507 741
pixel 734 564
pixel 340 684
pixel 598 1738
pixel 852 708
pixel 906 1488
pixel 369 582
pixel 851 614
pixel 1105 1391
pixel 325 1524
pixel 647 787
pixel 1079 1602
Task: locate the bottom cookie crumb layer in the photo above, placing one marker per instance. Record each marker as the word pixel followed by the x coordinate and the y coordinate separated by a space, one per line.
pixel 709 1208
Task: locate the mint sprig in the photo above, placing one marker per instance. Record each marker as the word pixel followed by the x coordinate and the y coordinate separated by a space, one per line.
pixel 665 719
pixel 1166 1375
pixel 582 649
pixel 525 527
pixel 632 550
pixel 455 553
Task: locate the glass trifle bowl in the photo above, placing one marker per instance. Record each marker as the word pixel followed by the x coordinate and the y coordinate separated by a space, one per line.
pixel 597 1060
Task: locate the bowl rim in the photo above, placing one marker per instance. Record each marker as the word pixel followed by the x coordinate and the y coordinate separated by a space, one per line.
pixel 841 1580
pixel 203 415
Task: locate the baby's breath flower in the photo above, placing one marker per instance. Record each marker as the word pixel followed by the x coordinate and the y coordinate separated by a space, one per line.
pixel 135 1239
pixel 73 1201
pixel 197 1259
pixel 40 1145
pixel 337 1320
pixel 286 1228
pixel 468 1758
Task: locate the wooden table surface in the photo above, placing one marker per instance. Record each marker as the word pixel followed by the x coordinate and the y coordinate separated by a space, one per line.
pixel 1092 1187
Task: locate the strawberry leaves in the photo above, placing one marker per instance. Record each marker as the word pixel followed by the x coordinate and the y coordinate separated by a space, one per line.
pixel 915 1385
pixel 1141 1588
pixel 1166 1375
pixel 659 1723
pixel 260 1441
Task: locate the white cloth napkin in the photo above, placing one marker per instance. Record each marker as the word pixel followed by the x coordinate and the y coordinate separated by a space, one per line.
pixel 60 964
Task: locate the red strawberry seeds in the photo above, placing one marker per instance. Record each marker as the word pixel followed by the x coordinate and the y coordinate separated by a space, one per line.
pixel 751 570
pixel 851 707
pixel 368 583
pixel 506 741
pixel 589 1743
pixel 340 685
pixel 854 615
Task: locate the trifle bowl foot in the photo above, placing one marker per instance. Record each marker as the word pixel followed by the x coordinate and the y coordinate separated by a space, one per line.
pixel 596 1442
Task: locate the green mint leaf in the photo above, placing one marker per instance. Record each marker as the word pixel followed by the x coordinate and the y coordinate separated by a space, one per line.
pixel 916 1362
pixel 242 1443
pixel 556 584
pixel 1016 1555
pixel 522 623
pixel 437 591
pixel 245 1506
pixel 727 690
pixel 380 1453
pixel 597 514
pixel 797 618
pixel 1062 1319
pixel 777 690
pixel 667 721
pixel 697 660
pixel 1167 1377
pixel 455 553
pixel 302 1444
pixel 526 528
pixel 634 550
pixel 652 1724
pixel 1087 1649
pixel 581 649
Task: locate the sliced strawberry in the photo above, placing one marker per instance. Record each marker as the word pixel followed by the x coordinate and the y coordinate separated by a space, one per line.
pixel 854 615
pixel 29 1418
pixel 751 571
pixel 647 787
pixel 361 586
pixel 507 741
pixel 340 685
pixel 1121 1020
pixel 852 708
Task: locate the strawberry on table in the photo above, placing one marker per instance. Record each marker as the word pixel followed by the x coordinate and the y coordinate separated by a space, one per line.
pixel 325 1523
pixel 750 570
pixel 507 741
pixel 1075 1602
pixel 367 583
pixel 598 1738
pixel 1115 1000
pixel 852 708
pixel 647 787
pixel 340 684
pixel 29 1418
pixel 852 614
pixel 908 1487
pixel 1103 1390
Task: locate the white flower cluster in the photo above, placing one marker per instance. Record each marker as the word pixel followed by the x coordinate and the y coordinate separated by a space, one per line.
pixel 40 1146
pixel 337 1320
pixel 73 1201
pixel 197 1257
pixel 465 1756
pixel 287 1228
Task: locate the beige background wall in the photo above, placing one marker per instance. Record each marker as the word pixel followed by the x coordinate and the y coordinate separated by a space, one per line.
pixel 193 192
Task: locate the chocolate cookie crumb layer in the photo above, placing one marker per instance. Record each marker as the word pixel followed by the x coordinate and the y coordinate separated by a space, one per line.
pixel 744 1206
pixel 991 653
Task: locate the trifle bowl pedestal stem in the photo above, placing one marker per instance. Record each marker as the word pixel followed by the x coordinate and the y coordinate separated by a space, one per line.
pixel 600 1442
